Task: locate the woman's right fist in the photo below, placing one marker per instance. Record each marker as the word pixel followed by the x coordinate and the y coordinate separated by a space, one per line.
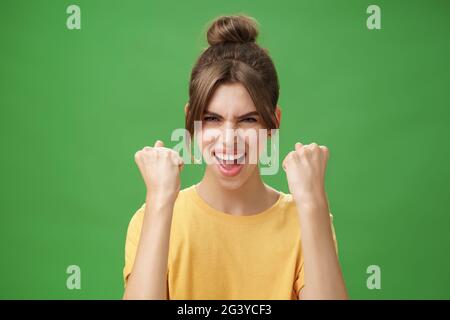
pixel 160 168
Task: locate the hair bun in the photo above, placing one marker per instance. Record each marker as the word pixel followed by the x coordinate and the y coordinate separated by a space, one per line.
pixel 232 29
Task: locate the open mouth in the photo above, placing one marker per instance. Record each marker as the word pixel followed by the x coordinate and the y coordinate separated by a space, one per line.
pixel 230 164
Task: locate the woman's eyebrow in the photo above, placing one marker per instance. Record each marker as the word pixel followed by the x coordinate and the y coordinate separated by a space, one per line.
pixel 209 113
pixel 253 113
pixel 248 114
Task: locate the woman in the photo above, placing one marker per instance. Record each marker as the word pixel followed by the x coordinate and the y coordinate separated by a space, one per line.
pixel 231 235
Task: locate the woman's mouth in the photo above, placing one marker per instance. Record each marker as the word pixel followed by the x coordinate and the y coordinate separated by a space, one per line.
pixel 230 164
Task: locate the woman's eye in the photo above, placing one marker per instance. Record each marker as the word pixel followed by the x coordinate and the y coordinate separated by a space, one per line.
pixel 249 120
pixel 210 118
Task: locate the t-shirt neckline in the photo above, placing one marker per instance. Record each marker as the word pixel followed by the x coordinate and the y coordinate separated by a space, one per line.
pixel 241 219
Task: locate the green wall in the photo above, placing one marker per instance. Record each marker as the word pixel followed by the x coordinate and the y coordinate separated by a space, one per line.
pixel 75 105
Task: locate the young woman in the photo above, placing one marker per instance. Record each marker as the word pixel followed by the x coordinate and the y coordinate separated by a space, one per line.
pixel 231 235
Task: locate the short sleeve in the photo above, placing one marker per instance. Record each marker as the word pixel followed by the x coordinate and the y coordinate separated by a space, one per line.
pixel 300 278
pixel 132 241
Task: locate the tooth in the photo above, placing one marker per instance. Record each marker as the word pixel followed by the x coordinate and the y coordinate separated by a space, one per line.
pixel 229 157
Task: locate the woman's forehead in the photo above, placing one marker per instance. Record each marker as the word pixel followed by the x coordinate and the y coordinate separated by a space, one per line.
pixel 231 98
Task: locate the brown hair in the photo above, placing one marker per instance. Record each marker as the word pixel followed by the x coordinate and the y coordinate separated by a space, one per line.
pixel 233 56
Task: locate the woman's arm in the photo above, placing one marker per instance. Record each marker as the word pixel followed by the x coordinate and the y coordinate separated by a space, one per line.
pixel 160 168
pixel 305 169
pixel 148 278
pixel 323 276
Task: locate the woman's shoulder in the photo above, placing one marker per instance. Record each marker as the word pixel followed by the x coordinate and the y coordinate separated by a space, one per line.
pixel 289 204
pixel 284 199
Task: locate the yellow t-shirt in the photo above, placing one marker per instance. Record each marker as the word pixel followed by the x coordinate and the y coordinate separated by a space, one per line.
pixel 214 255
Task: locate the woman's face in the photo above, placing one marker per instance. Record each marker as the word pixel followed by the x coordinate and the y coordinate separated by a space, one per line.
pixel 232 136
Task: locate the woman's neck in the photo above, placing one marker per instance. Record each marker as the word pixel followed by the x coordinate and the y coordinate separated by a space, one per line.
pixel 250 198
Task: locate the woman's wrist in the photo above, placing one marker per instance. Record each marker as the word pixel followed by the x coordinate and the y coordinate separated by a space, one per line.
pixel 310 197
pixel 312 202
pixel 160 200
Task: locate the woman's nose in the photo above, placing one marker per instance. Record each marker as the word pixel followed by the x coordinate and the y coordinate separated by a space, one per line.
pixel 228 133
pixel 229 137
pixel 232 137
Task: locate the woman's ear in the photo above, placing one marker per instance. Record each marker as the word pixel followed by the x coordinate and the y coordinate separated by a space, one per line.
pixel 278 114
pixel 186 106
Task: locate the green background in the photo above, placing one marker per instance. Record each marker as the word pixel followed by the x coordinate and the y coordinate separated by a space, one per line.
pixel 77 104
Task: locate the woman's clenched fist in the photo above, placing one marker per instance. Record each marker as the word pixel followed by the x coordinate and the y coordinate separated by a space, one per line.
pixel 160 168
pixel 305 170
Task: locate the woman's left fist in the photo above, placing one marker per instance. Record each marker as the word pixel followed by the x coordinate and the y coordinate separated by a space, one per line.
pixel 305 170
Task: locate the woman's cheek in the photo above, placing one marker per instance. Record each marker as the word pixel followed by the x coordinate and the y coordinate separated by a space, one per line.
pixel 209 136
pixel 206 138
pixel 252 141
pixel 262 142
